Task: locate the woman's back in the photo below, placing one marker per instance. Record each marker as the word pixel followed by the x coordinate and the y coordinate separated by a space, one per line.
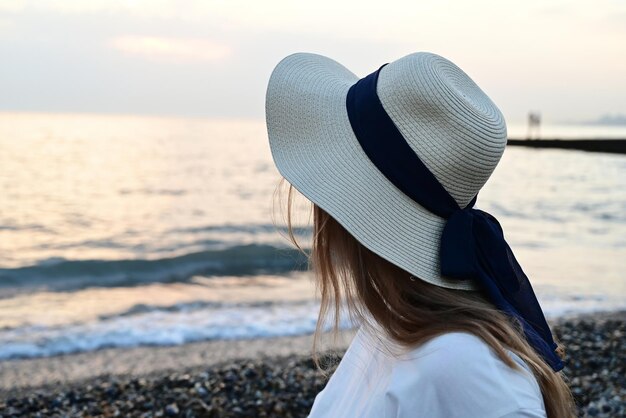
pixel 452 375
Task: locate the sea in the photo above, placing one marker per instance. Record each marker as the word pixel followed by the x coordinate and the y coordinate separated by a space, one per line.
pixel 124 231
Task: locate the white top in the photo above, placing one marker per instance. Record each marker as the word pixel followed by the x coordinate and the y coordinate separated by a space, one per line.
pixel 452 375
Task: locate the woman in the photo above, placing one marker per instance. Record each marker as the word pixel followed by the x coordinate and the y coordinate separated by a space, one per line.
pixel 393 163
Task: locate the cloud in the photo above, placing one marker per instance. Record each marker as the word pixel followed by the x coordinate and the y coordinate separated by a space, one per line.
pixel 171 49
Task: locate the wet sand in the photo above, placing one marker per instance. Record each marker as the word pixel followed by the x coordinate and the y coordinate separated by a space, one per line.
pixel 20 374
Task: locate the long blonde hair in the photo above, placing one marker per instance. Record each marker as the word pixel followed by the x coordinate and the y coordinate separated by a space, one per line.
pixel 409 310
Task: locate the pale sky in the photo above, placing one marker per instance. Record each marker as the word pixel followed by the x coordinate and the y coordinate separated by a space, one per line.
pixel 213 58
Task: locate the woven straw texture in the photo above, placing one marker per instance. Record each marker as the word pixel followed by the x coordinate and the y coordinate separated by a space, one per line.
pixel 450 123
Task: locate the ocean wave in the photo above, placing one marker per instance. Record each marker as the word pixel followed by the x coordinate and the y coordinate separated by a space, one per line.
pixel 162 327
pixel 67 275
pixel 251 229
pixel 151 325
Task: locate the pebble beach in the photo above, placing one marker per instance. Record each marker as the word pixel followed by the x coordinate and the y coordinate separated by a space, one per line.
pixel 263 377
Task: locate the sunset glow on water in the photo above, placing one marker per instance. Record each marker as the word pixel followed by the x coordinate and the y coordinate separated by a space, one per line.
pixel 120 230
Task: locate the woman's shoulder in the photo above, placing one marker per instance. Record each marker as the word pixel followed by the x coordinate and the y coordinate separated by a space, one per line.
pixel 452 355
pixel 461 355
pixel 451 375
pixel 458 371
pixel 451 341
pixel 451 347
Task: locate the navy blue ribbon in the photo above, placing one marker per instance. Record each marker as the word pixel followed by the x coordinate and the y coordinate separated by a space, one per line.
pixel 472 242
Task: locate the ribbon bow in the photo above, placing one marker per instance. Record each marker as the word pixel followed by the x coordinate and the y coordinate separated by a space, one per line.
pixel 473 247
pixel 472 242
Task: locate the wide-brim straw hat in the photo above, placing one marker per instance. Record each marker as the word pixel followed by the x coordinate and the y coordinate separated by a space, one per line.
pixel 448 121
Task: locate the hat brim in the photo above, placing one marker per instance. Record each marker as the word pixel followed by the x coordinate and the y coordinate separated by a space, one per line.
pixel 315 149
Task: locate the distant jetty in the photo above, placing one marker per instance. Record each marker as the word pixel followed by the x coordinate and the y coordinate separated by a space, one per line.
pixel 614 146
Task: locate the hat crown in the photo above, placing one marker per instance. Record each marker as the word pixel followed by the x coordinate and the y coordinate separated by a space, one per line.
pixel 452 126
pixel 448 121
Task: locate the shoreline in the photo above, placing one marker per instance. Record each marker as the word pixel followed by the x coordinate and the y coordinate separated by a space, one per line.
pixel 22 375
pixel 593 342
pixel 18 375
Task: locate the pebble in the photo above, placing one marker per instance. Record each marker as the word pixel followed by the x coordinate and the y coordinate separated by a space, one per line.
pixel 172 410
